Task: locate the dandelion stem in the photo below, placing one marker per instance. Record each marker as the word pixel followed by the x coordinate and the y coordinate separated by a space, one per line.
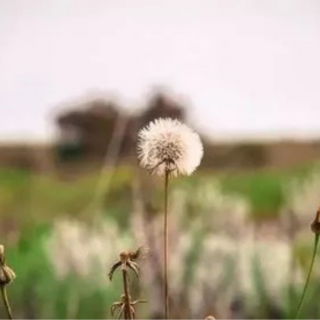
pixel 165 245
pixel 127 309
pixel 309 275
pixel 6 301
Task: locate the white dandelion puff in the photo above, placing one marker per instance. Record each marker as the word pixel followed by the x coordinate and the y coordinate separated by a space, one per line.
pixel 167 145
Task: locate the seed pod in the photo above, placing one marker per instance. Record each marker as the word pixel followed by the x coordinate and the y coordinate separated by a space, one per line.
pixel 7 275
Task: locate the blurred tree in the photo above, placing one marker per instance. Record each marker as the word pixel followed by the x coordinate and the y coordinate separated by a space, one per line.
pixel 87 130
pixel 161 106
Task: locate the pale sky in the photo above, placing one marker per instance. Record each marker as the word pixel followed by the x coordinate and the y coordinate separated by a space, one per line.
pixel 247 68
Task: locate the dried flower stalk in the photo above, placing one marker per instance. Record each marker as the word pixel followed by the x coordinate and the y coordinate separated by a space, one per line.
pixel 315 227
pixel 6 277
pixel 128 260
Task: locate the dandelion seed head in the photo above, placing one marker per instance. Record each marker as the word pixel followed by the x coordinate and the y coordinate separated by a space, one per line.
pixel 169 145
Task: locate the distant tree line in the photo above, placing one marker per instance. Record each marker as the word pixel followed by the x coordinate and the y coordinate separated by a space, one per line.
pixel 92 128
pixel 87 129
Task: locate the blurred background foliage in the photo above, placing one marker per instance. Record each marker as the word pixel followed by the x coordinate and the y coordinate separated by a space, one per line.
pixel 240 238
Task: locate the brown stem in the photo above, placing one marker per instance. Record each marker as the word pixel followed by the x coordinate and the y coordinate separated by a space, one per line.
pixel 165 246
pixel 6 301
pixel 316 241
pixel 127 309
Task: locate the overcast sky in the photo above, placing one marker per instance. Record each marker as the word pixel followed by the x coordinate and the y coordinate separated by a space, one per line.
pixel 247 68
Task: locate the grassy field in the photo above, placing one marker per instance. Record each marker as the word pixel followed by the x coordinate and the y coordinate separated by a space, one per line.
pixel 264 188
pixel 29 204
pixel 27 197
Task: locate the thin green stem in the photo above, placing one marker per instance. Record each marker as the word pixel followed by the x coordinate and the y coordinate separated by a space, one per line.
pixel 6 301
pixel 316 240
pixel 165 245
pixel 127 311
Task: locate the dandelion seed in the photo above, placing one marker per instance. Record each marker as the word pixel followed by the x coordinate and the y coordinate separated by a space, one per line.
pixel 167 145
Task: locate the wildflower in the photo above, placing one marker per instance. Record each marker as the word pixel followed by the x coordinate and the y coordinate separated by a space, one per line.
pixel 167 145
pixel 83 250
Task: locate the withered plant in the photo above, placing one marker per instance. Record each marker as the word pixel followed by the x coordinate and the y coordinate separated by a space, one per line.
pixel 128 261
pixel 6 277
pixel 315 228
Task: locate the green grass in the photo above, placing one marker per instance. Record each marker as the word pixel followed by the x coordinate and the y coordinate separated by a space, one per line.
pixel 25 197
pixel 263 188
pixel 39 293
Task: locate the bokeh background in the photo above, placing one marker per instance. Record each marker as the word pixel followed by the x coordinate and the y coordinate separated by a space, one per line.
pixel 79 78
